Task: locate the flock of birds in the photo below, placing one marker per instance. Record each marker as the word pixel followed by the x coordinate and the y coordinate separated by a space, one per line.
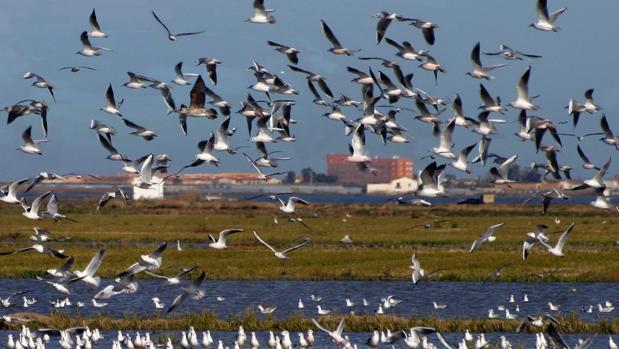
pixel 273 116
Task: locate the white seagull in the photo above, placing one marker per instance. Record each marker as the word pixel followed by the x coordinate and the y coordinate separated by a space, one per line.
pixel 546 21
pixel 524 101
pixel 220 243
pixel 557 250
pixel 487 236
pixel 283 254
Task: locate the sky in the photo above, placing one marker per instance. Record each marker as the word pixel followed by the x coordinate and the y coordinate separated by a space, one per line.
pixel 43 36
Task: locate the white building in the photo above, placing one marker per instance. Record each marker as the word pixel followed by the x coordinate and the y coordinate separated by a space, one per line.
pixel 154 192
pixel 396 186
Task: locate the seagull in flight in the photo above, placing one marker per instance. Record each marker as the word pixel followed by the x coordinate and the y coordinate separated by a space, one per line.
pixel 52 210
pixel 501 174
pixel 107 196
pixel 37 248
pixel 31 146
pixel 174 279
pixel 487 236
pixel 427 29
pixel 417 272
pixel 173 37
pixel 524 101
pixel 261 14
pixel 32 212
pixel 290 52
pixel 192 291
pixel 261 175
pixel 283 254
pixel 336 48
pixel 111 107
pixel 557 250
pixel 546 21
pixel 95 28
pixel 220 243
pixel 181 78
pixel 479 71
pixel 511 54
pixel 87 49
pixel 289 207
pixel 533 238
pixel 10 191
pixel 151 261
pixel 88 275
pixel 336 336
pixel 40 82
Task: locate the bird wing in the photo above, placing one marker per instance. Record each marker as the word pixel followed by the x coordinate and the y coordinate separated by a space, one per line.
pixel 109 95
pixel 381 28
pixel 259 9
pixel 198 93
pixel 554 335
pixel 133 125
pixel 485 96
pixel 107 144
pixel 320 327
pixel 15 185
pixel 305 242
pixel 505 166
pixel 157 252
pixel 329 34
pixel 299 70
pixel 564 236
pixel 84 39
pixel 428 34
pixel 37 202
pixel 25 249
pixel 605 127
pixel 298 200
pixel 93 21
pixel 358 139
pixel 555 14
pixel 178 301
pixel 95 263
pixel 523 84
pixel 190 33
pixel 582 155
pixel 27 136
pixel 186 271
pixel 223 235
pixel 446 135
pixel 542 10
pixel 160 22
pixel 475 56
pixel 264 242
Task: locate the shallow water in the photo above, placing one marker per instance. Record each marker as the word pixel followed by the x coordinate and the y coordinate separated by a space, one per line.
pixel 463 299
pixel 322 340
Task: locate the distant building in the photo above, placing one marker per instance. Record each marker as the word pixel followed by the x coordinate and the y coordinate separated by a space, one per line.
pixel 396 186
pixel 223 178
pixel 348 173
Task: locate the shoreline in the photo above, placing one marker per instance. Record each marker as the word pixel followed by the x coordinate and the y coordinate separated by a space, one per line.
pixel 251 321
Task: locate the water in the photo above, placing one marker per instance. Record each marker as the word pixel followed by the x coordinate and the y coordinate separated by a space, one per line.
pixel 94 191
pixel 322 340
pixel 463 299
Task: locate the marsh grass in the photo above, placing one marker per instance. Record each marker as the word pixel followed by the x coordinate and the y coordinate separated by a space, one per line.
pixel 251 321
pixel 384 239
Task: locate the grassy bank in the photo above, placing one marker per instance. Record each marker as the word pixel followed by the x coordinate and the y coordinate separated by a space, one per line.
pixel 384 239
pixel 253 322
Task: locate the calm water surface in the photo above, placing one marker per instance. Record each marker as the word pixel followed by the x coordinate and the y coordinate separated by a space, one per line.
pixel 463 299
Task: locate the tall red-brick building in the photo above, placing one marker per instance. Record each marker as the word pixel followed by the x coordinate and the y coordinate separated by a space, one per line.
pixel 348 173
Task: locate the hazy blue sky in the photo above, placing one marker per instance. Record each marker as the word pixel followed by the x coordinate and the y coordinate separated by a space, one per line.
pixel 42 36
